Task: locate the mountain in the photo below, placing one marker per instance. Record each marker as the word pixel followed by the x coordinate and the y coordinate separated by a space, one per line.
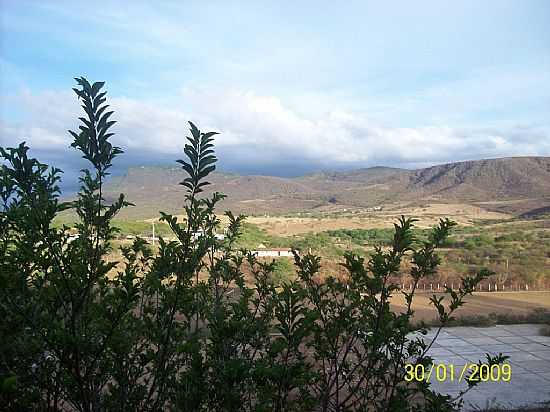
pixel 514 185
pixel 514 177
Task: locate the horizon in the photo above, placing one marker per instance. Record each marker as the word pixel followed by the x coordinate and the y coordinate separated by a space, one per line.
pixel 293 89
pixel 342 170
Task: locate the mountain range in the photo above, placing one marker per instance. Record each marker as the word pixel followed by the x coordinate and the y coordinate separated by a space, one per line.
pixel 517 185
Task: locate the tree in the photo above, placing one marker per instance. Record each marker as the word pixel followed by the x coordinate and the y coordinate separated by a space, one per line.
pixel 200 325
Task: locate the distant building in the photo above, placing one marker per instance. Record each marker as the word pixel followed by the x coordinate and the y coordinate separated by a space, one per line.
pixel 72 234
pixel 72 238
pixel 199 233
pixel 263 251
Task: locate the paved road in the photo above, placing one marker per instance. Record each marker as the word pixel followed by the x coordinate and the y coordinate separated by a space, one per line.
pixel 529 359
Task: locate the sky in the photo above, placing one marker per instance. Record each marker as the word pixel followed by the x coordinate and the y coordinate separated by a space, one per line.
pixel 293 87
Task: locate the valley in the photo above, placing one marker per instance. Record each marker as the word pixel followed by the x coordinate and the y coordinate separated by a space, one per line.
pixel 500 207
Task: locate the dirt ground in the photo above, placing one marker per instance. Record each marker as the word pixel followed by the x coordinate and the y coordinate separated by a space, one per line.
pixel 481 303
pixel 428 215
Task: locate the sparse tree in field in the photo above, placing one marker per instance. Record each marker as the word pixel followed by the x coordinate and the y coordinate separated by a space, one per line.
pixel 200 325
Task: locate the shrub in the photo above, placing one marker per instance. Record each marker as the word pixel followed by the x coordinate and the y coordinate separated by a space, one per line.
pixel 251 236
pixel 283 270
pixel 317 243
pixel 362 236
pixel 181 329
pixel 478 241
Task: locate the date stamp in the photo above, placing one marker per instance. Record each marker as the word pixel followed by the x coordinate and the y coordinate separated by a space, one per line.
pixel 472 372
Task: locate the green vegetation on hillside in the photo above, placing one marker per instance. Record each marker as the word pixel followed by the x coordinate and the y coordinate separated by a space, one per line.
pixel 252 236
pixel 283 270
pixel 363 236
pixel 137 228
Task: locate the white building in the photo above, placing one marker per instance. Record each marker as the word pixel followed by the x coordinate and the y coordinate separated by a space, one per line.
pixel 72 238
pixel 262 251
pixel 196 235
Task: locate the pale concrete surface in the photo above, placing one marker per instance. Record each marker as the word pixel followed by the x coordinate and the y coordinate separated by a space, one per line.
pixel 529 359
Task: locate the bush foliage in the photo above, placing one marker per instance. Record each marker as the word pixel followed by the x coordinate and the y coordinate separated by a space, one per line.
pixel 198 325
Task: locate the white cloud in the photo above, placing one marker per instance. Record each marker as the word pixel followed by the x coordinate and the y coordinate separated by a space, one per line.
pixel 258 129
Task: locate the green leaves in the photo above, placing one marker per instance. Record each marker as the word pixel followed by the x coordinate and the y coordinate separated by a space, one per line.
pixel 63 317
pixel 441 232
pixel 403 236
pixel 8 384
pixel 93 138
pixel 201 159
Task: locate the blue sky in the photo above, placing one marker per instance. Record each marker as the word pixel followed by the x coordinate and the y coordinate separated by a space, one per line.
pixel 293 87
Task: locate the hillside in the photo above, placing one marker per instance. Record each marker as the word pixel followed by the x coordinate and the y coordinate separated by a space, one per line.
pixel 515 177
pixel 514 185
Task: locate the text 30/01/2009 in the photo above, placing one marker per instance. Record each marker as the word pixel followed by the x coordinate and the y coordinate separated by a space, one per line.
pixel 473 372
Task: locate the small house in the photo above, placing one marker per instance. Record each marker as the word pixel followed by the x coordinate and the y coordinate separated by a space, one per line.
pixel 263 251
